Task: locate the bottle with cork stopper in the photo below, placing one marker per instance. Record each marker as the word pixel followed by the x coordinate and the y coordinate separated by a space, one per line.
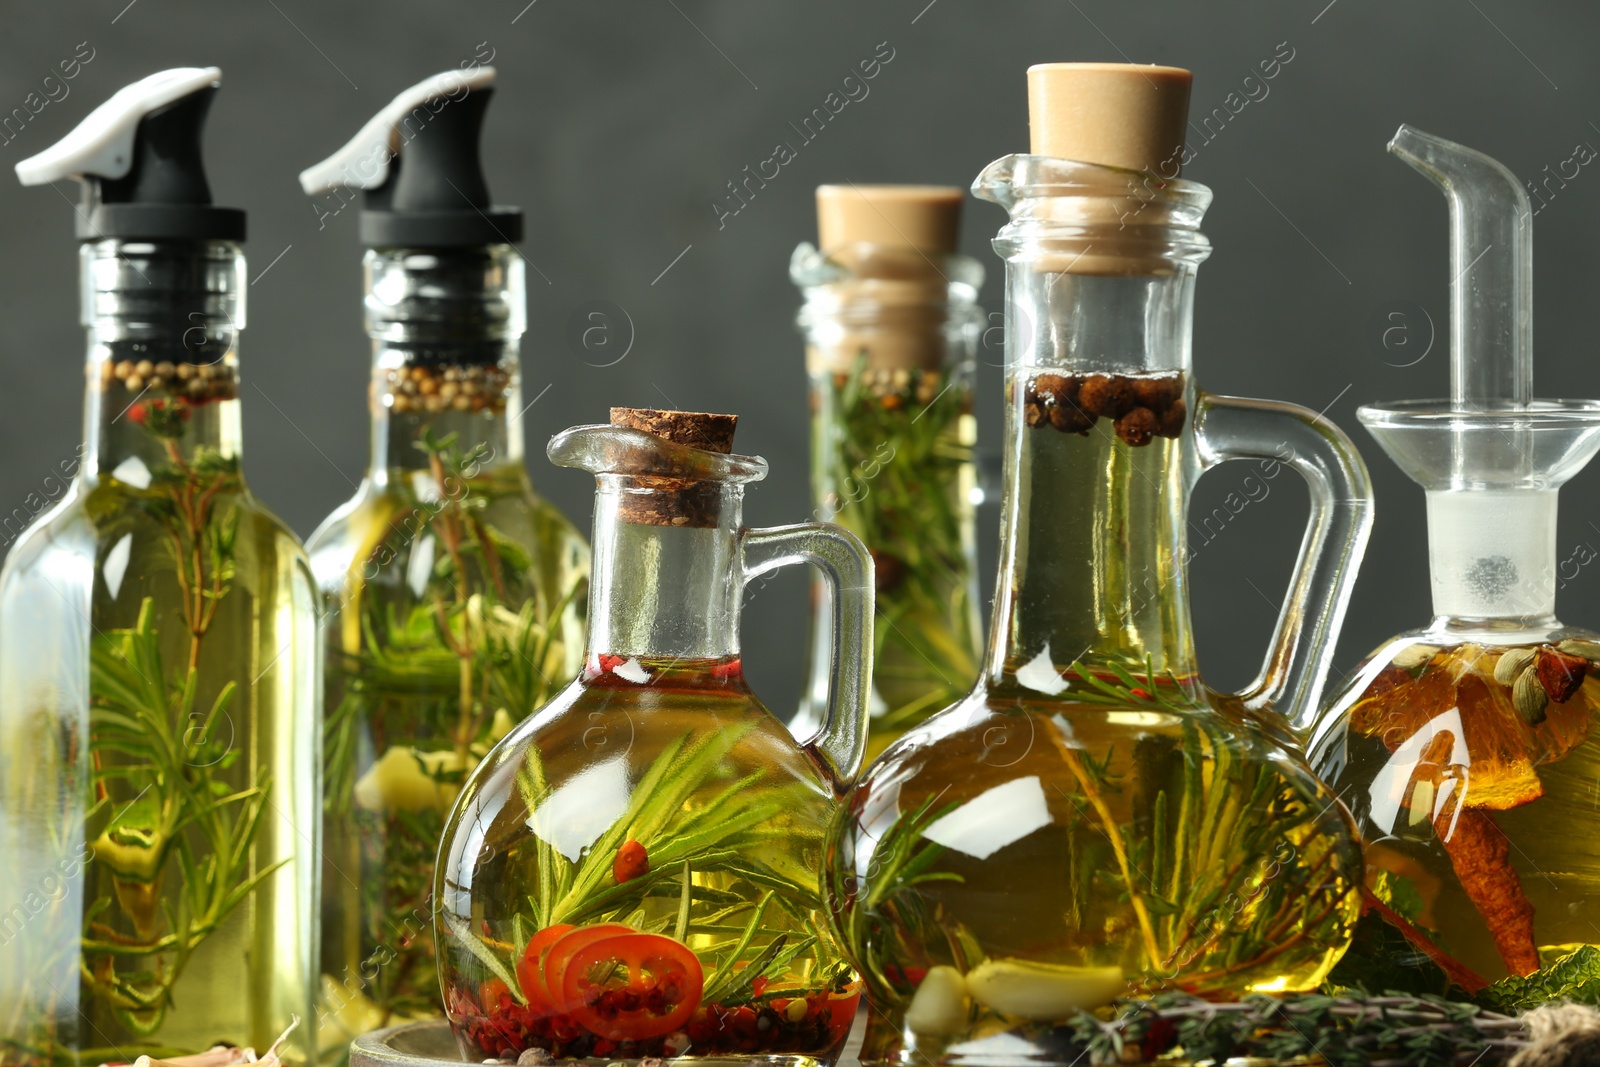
pixel 453 594
pixel 1466 749
pixel 891 326
pixel 158 648
pixel 635 870
pixel 1093 821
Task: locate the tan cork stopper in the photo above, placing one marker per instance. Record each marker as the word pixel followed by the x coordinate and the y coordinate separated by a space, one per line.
pixel 924 217
pixel 1126 115
pixel 670 500
pixel 899 292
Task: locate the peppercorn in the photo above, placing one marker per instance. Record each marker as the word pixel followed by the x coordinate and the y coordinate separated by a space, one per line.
pixel 1172 419
pixel 1106 396
pixel 1070 418
pixel 1157 393
pixel 887 570
pixel 1137 427
pixel 1056 389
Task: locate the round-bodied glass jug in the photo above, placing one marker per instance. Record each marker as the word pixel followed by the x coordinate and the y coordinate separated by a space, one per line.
pixel 1093 821
pixel 634 871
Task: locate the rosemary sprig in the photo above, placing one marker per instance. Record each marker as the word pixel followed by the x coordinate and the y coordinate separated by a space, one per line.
pixel 152 741
pixel 891 453
pixel 476 645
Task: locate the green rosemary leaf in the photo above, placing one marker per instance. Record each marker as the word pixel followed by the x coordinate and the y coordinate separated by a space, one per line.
pixel 486 956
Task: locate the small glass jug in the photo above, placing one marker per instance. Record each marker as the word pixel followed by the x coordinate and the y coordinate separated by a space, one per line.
pixel 634 871
pixel 1093 821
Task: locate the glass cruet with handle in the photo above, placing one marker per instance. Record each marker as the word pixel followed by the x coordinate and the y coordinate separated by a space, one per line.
pixel 1093 821
pixel 1465 748
pixel 635 870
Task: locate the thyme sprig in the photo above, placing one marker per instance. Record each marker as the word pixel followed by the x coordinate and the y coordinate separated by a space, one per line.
pixel 1391 1030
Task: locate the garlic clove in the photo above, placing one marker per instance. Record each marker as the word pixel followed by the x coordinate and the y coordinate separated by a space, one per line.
pixel 1040 990
pixel 940 1004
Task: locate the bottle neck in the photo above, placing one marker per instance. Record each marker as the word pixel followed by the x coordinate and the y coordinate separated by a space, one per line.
pixel 446 326
pixel 1492 555
pixel 163 321
pixel 662 590
pixel 1098 466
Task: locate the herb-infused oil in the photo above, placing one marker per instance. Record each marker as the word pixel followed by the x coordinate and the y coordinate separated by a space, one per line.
pixel 891 326
pixel 635 871
pixel 1465 749
pixel 454 593
pixel 158 681
pixel 1092 821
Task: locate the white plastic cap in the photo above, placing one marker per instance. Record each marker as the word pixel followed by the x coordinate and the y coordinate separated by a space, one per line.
pixel 363 163
pixel 101 146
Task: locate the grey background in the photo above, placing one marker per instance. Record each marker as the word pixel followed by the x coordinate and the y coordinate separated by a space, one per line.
pixel 617 125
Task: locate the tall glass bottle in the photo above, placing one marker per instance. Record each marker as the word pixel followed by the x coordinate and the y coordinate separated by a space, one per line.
pixel 1467 748
pixel 635 871
pixel 454 595
pixel 891 327
pixel 158 656
pixel 1093 820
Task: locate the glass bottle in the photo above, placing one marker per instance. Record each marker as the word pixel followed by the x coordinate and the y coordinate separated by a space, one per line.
pixel 158 656
pixel 891 327
pixel 1464 748
pixel 634 871
pixel 453 594
pixel 1093 821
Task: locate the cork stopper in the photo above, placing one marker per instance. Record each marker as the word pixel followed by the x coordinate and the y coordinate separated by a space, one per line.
pixel 674 500
pixel 921 217
pixel 1124 115
pixel 697 429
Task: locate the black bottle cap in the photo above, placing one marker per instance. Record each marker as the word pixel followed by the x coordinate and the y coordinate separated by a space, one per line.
pixel 138 157
pixel 417 160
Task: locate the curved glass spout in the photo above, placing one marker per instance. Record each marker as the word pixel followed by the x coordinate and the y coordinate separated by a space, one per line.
pixel 1491 266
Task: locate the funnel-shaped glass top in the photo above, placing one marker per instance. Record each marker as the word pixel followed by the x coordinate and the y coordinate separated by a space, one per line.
pixel 1490 456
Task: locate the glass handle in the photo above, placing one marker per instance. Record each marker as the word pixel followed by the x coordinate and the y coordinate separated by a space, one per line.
pixel 1296 666
pixel 840 743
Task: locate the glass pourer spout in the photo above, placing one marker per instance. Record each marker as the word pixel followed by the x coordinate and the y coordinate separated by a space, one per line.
pixel 1490 456
pixel 1491 262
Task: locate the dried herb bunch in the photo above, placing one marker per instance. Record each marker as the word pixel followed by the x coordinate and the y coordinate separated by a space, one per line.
pixel 1394 1030
pixel 1489 744
pixel 445 661
pixel 1139 407
pixel 892 463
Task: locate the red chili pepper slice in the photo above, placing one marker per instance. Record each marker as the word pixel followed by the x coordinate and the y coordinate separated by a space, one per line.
pixel 530 965
pixel 558 952
pixel 632 986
